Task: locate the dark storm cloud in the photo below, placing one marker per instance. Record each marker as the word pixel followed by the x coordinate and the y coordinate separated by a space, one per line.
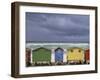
pixel 57 27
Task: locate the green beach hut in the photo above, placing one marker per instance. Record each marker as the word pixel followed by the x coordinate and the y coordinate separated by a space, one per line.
pixel 41 56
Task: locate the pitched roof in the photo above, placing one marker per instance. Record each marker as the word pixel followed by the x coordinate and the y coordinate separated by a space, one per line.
pixel 41 48
pixel 58 48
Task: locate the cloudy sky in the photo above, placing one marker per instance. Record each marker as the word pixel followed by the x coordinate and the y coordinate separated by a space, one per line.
pixel 50 27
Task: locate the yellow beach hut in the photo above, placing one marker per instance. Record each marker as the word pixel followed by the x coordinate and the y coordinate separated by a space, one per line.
pixel 75 55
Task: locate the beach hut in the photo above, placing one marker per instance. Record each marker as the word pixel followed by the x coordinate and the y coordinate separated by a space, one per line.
pixel 41 56
pixel 59 55
pixel 28 57
pixel 87 56
pixel 75 55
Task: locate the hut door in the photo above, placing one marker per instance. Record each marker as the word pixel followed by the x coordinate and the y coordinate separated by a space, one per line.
pixel 59 55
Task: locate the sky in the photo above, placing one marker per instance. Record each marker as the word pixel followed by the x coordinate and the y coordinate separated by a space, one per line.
pixel 54 27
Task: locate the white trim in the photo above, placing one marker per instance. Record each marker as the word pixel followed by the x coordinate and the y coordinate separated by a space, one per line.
pixel 65 55
pixel 31 55
pixel 52 56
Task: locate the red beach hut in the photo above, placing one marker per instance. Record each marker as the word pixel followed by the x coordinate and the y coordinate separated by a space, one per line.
pixel 87 56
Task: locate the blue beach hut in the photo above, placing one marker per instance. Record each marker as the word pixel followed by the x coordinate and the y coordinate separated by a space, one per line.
pixel 59 55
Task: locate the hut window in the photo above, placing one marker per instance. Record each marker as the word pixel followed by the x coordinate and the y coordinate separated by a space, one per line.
pixel 71 50
pixel 79 51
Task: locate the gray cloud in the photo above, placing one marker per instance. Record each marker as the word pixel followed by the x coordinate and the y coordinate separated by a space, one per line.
pixel 57 27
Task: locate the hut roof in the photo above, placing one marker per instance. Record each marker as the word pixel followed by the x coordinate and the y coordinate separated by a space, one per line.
pixel 41 48
pixel 58 49
pixel 75 48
